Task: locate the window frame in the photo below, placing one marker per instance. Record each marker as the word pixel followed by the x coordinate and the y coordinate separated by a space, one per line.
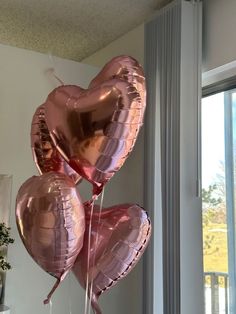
pixel 223 79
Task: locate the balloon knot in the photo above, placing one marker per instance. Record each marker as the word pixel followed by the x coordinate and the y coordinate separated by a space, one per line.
pixel 46 301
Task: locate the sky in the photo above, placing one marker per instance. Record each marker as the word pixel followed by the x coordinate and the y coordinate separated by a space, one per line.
pixel 212 137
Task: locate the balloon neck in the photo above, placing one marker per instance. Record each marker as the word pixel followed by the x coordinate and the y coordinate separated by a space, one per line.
pixel 47 300
pixel 97 190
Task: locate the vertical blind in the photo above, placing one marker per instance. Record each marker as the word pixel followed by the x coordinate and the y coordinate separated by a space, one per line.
pixel 173 266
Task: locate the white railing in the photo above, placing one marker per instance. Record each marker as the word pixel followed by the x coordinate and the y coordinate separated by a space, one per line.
pixel 216 293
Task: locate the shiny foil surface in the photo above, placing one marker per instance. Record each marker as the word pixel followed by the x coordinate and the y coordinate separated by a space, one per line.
pixel 50 219
pixel 95 129
pixel 126 68
pixel 46 156
pixel 118 240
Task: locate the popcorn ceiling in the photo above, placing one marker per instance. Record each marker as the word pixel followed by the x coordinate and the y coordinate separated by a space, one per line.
pixel 72 29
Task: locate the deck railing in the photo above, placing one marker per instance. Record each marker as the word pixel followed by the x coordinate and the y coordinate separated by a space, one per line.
pixel 216 293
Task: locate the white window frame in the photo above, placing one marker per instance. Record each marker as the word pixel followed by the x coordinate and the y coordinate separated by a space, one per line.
pixel 214 81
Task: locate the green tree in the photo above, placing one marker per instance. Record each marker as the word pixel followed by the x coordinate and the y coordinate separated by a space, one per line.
pixel 209 200
pixel 210 203
pixel 5 240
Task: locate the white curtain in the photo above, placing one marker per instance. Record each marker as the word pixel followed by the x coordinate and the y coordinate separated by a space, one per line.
pixel 173 265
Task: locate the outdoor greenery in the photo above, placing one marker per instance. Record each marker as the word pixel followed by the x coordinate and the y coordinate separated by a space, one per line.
pixel 5 240
pixel 215 228
pixel 215 257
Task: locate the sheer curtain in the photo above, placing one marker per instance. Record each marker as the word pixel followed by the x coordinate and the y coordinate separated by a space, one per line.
pixel 173 266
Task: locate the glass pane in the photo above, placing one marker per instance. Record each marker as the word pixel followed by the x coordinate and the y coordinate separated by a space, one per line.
pixel 5 200
pixel 5 197
pixel 215 243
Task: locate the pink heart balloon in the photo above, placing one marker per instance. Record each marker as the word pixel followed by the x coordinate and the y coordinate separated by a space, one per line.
pixel 46 156
pixel 126 68
pixel 118 239
pixel 95 129
pixel 50 219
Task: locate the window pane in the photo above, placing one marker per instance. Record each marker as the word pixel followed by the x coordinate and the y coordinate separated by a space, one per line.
pixel 215 241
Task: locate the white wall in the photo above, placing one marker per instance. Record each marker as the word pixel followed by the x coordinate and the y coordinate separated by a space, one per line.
pixel 23 87
pixel 219 44
pixel 131 44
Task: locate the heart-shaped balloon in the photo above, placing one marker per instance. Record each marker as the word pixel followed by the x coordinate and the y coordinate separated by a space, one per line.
pixel 119 237
pixel 50 219
pixel 46 156
pixel 95 129
pixel 126 68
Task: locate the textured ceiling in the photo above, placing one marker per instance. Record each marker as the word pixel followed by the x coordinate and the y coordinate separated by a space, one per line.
pixel 72 29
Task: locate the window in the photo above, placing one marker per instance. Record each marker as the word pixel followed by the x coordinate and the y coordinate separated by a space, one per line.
pixel 218 196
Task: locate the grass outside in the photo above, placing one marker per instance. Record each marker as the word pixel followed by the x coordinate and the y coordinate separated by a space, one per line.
pixel 215 248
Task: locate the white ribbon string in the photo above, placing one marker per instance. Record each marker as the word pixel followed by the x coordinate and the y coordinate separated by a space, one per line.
pixel 52 70
pixel 89 248
pixel 95 248
pixel 69 294
pixel 50 307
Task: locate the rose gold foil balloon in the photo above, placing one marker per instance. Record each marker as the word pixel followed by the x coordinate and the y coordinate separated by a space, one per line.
pixel 50 219
pixel 124 67
pixel 96 129
pixel 118 240
pixel 46 156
